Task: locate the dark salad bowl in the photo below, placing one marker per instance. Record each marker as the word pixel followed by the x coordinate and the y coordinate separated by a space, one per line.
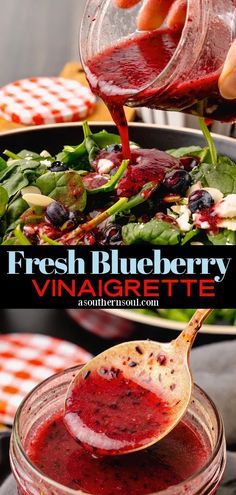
pixel 54 137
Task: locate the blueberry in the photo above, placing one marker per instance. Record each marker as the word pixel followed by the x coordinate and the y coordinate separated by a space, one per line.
pixel 177 181
pixel 57 214
pixel 199 200
pixel 112 235
pixel 114 148
pixel 189 162
pixel 58 167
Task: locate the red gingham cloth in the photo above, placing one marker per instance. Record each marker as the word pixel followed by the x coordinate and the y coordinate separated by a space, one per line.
pixel 28 359
pixel 106 325
pixel 45 100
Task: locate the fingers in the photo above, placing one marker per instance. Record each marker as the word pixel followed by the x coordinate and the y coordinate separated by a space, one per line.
pixel 125 4
pixel 227 80
pixel 152 14
pixel 177 14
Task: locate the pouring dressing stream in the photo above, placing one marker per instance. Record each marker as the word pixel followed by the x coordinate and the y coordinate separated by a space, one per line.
pixel 132 395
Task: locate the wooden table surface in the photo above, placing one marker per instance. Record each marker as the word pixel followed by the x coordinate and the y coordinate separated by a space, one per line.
pixel 73 70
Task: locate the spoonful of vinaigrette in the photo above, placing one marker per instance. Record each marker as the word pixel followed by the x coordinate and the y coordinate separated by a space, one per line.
pixel 133 394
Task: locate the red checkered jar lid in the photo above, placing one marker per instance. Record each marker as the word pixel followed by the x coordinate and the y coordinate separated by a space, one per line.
pixel 45 100
pixel 28 359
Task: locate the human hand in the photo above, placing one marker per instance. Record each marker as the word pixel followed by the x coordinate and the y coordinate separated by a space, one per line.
pixel 227 80
pixel 152 15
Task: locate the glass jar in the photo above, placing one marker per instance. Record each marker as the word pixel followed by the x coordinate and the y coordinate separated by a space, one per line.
pixel 48 398
pixel 189 81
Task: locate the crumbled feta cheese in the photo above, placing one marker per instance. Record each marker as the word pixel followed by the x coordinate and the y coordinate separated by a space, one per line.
pixel 104 166
pixel 48 163
pixel 134 147
pixel 216 194
pixel 183 220
pixel 199 223
pixel 227 207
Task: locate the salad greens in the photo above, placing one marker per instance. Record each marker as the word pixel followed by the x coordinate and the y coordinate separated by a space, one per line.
pixel 155 232
pixel 223 173
pixel 67 188
pixel 88 194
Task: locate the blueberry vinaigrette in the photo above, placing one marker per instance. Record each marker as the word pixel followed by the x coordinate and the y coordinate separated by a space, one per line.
pixel 46 459
pixel 107 411
pixel 174 459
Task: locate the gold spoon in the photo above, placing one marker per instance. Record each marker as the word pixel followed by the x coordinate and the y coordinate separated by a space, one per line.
pixel 133 394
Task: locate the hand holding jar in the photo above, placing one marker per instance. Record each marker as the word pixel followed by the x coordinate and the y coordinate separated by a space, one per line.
pixel 154 12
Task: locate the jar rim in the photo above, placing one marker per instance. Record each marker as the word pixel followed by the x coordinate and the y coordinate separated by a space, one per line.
pixel 71 491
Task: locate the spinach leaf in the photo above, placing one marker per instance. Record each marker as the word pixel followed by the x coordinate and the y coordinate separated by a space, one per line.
pixel 21 238
pixel 28 153
pixel 185 151
pixel 189 236
pixel 226 160
pixel 15 210
pixel 3 226
pixel 154 232
pixel 3 164
pixel 202 153
pixel 11 241
pixel 23 154
pixel 20 174
pixel 77 156
pixel 92 148
pixel 225 237
pixel 66 187
pixel 3 201
pixel 15 183
pixel 222 176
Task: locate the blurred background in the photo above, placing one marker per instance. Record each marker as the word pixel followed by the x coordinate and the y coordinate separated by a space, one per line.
pixel 96 329
pixel 38 38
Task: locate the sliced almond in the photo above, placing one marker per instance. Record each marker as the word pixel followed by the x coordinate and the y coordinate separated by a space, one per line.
pixel 228 223
pixel 45 154
pixel 193 188
pixel 227 207
pixel 30 190
pixel 37 200
pixel 215 193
